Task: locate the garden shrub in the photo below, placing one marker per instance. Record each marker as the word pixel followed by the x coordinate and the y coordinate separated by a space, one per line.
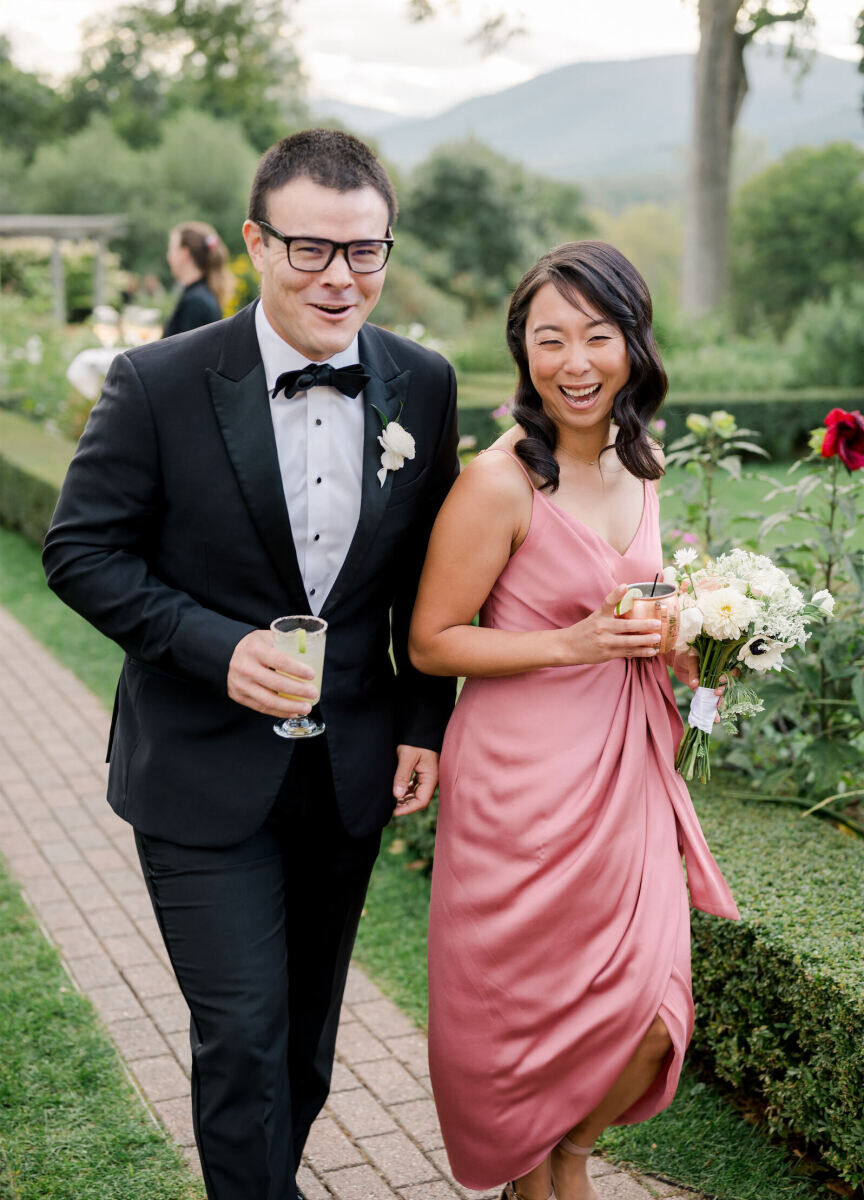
pixel 34 354
pixel 780 995
pixel 32 467
pixel 825 344
pixel 730 364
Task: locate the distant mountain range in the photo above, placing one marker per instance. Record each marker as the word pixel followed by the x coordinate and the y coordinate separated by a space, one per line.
pixel 604 121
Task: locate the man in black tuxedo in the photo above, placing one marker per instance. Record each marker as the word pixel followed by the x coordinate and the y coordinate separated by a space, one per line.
pixel 223 481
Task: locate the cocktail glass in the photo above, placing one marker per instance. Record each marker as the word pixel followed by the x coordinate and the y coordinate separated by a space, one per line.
pixel 659 602
pixel 303 638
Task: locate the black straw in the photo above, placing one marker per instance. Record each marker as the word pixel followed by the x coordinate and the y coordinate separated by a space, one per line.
pixel 654 584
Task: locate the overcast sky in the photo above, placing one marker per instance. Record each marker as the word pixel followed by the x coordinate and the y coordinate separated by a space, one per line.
pixel 366 52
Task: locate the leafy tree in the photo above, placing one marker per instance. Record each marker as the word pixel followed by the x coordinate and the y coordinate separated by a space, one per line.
pixel 493 33
pixel 13 194
pixel 202 169
pixel 826 342
pixel 30 111
pixel 798 231
pixel 233 59
pixel 726 28
pixel 651 237
pixel 409 299
pixel 485 219
pixel 93 171
pixel 119 79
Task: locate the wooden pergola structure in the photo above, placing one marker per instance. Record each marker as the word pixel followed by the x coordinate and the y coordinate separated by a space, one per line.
pixel 98 229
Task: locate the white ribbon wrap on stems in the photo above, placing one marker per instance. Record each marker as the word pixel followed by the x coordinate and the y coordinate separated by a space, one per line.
pixel 703 709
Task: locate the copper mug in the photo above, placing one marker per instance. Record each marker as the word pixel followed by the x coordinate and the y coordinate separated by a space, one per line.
pixel 658 602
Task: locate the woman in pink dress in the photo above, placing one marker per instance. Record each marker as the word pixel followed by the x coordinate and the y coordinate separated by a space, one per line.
pixel 559 948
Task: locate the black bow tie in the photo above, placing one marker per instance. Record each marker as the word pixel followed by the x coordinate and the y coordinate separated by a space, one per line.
pixel 348 380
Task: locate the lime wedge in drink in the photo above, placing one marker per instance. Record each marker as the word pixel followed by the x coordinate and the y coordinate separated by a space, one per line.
pixel 301 641
pixel 626 602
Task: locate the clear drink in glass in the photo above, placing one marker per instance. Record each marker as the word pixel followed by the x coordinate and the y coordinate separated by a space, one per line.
pixel 302 638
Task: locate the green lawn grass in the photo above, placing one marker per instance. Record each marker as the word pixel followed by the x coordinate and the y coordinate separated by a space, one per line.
pixel 71 1125
pixel 486 391
pixel 94 659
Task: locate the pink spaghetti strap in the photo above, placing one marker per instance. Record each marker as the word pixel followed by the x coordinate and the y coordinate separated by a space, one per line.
pixel 515 458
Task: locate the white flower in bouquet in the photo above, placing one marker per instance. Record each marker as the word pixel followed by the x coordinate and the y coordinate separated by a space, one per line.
pixel 739 609
pixel 823 600
pixel 726 613
pixel 689 626
pixel 762 654
pixel 685 556
pixel 755 571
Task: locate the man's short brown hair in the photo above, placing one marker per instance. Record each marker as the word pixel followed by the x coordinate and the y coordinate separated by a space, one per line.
pixel 329 158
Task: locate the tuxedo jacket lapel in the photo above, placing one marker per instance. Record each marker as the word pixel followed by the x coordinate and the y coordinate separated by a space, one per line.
pixel 385 392
pixel 238 390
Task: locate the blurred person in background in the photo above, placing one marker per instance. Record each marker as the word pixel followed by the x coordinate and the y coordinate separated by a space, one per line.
pixel 198 259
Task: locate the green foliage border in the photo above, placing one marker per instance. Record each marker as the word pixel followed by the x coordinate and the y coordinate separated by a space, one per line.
pixel 32 467
pixel 780 994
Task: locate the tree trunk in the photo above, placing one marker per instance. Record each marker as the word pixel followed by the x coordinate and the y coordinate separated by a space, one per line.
pixel 720 85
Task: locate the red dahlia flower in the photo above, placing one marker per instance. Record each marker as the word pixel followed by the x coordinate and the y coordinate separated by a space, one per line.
pixel 845 437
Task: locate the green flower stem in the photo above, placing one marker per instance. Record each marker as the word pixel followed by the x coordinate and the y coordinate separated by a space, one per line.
pixel 830 564
pixel 822 716
pixel 694 753
pixel 709 496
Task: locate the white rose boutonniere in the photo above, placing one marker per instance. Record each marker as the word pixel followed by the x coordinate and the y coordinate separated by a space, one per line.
pixel 397 445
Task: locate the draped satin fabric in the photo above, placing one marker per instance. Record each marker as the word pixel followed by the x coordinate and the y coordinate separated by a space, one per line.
pixel 559 923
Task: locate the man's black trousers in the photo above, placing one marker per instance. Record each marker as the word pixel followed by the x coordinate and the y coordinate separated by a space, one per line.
pixel 260 937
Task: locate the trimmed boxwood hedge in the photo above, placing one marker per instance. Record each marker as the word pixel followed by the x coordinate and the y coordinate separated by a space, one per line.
pixel 33 464
pixel 780 994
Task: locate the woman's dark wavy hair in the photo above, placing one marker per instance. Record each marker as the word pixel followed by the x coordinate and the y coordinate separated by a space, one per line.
pixel 596 273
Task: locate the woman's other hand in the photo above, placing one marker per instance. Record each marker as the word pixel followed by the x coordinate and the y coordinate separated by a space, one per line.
pixel 684 665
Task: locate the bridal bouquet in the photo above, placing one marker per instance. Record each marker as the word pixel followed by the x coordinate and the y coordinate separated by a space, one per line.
pixel 738 610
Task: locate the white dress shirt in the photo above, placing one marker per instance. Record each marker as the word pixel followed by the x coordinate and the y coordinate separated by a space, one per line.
pixel 319 440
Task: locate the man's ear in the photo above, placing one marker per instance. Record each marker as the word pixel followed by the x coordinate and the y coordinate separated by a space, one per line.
pixel 254 240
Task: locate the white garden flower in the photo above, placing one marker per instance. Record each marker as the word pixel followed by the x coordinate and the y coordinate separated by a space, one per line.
pixel 685 556
pixel 689 626
pixel 397 444
pixel 761 654
pixel 726 613
pixel 767 583
pixel 823 600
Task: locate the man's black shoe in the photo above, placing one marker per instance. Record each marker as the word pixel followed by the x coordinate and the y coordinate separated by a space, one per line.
pixel 300 1196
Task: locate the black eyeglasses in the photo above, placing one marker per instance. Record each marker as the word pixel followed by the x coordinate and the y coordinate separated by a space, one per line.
pixel 316 254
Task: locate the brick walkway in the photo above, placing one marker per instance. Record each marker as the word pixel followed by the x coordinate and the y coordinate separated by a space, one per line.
pixel 378 1138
